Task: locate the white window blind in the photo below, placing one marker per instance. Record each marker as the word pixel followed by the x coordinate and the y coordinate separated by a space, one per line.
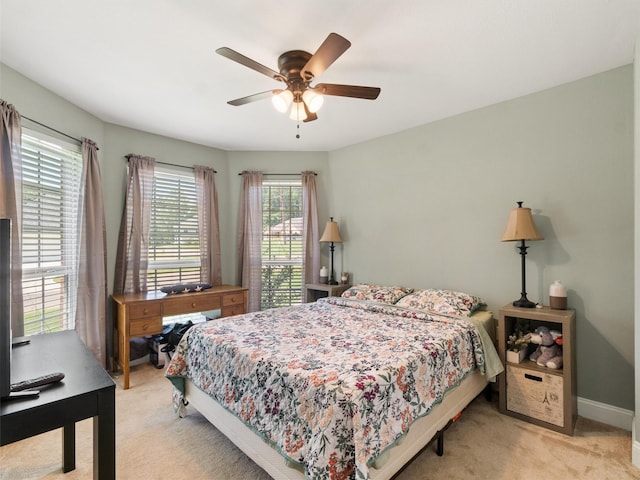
pixel 51 202
pixel 174 247
pixel 282 258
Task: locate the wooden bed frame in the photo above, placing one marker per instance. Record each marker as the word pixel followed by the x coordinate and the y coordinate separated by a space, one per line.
pixel 421 433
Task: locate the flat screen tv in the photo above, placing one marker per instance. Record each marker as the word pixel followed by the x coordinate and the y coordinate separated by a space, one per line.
pixel 5 307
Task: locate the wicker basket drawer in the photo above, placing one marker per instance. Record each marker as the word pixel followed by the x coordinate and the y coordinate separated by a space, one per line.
pixel 536 394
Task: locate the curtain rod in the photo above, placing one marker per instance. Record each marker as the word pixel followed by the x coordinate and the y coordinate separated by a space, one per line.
pixel 281 174
pixel 170 164
pixel 53 129
pixel 180 166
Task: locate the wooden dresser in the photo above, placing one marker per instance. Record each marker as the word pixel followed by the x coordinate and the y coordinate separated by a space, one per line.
pixel 140 314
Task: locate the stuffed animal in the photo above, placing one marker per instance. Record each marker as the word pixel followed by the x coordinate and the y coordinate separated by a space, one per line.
pixel 549 353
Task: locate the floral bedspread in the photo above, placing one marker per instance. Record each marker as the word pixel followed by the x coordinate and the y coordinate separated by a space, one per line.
pixel 330 384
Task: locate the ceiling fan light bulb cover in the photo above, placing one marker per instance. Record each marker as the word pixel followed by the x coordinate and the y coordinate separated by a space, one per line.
pixel 282 100
pixel 297 112
pixel 313 100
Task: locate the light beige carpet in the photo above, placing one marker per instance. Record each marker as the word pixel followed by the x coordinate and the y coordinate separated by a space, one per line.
pixel 152 443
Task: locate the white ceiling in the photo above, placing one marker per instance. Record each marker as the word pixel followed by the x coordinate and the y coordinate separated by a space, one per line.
pixel 151 64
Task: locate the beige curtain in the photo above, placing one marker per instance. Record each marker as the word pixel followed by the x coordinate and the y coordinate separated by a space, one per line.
pixel 310 233
pixel 133 241
pixel 11 203
pixel 250 238
pixel 91 311
pixel 208 226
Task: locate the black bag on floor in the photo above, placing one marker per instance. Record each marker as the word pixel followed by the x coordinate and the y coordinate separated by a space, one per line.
pixel 172 334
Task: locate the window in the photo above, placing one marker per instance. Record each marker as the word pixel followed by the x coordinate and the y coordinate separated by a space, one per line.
pixel 282 256
pixel 174 247
pixel 51 182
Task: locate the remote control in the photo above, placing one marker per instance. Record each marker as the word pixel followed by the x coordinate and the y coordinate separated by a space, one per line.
pixel 37 382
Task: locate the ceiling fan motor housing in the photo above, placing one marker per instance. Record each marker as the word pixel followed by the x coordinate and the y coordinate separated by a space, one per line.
pixel 291 64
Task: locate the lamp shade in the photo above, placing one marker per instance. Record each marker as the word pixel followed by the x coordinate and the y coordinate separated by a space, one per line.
pixel 282 100
pixel 521 225
pixel 313 100
pixel 331 232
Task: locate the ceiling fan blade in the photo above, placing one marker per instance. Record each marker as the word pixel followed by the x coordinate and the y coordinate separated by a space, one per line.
pixel 310 116
pixel 332 47
pixel 252 98
pixel 368 93
pixel 247 62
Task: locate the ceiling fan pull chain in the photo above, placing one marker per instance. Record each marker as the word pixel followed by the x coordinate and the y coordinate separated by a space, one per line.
pixel 298 129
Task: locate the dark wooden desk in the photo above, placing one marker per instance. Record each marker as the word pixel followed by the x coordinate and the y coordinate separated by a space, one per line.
pixel 86 391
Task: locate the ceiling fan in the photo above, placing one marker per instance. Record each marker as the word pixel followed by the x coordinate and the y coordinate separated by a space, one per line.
pixel 297 70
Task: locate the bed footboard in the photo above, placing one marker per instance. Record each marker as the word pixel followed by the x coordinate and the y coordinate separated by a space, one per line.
pixel 422 433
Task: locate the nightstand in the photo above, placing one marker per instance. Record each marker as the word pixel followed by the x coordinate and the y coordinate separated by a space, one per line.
pixel 539 395
pixel 314 291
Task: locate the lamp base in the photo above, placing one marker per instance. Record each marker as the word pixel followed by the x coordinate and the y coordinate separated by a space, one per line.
pixel 523 302
pixel 333 282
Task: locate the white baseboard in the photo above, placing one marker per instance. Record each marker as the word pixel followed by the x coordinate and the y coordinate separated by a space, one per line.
pixel 601 412
pixel 635 447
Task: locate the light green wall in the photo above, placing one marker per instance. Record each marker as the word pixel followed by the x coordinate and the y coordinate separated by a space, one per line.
pixel 40 104
pixel 427 207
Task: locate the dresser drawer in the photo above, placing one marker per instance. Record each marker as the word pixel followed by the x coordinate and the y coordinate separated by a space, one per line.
pixel 188 303
pixel 144 310
pixel 233 310
pixel 233 299
pixel 145 326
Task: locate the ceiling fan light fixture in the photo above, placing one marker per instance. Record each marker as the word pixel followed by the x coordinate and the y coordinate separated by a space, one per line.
pixel 297 69
pixel 297 112
pixel 282 100
pixel 313 100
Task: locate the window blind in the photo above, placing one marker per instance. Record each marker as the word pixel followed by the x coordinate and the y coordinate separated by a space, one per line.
pixel 282 246
pixel 51 202
pixel 174 246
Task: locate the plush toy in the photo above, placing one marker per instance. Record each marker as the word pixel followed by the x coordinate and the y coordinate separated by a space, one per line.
pixel 549 352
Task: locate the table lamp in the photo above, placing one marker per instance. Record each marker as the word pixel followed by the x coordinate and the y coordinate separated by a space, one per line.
pixel 331 234
pixel 520 228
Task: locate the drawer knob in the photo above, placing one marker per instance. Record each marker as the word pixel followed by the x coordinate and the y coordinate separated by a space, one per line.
pixel 145 311
pixel 145 327
pixel 193 304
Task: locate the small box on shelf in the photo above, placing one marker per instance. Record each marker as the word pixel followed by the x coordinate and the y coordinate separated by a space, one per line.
pixel 516 357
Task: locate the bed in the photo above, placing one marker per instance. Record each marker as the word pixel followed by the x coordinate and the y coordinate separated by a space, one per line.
pixel 346 387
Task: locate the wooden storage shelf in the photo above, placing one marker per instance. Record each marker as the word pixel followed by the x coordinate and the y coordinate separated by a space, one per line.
pixel 529 365
pixel 536 394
